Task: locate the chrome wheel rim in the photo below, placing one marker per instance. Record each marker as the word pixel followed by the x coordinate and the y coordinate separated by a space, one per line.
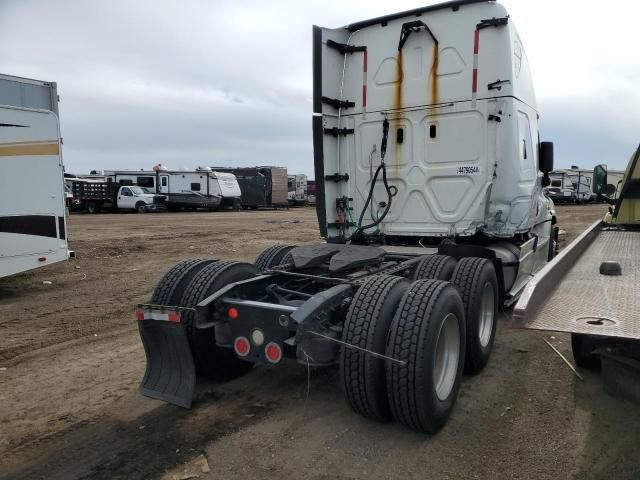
pixel 445 366
pixel 485 327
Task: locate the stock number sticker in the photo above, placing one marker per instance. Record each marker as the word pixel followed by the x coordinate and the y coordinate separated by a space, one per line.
pixel 468 170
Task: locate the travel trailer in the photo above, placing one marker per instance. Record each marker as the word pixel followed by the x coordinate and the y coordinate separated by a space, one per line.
pixel 570 187
pixel 32 194
pixel 297 186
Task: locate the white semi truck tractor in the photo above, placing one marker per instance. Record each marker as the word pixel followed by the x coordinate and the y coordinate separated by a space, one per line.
pixel 429 174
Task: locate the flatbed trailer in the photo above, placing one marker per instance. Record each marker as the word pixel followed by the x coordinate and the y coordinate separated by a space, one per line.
pixel 591 290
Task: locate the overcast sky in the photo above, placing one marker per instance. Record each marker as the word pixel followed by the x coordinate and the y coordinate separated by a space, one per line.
pixel 195 82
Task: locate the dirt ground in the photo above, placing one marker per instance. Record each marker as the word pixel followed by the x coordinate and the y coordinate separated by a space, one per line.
pixel 71 361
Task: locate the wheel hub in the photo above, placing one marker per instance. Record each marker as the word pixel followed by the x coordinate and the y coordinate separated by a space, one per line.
pixel 447 356
pixel 485 324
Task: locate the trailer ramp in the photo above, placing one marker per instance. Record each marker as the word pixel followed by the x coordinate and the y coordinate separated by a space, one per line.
pixel 571 295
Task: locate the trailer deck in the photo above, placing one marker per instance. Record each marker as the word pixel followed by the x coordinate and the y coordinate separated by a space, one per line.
pixel 571 295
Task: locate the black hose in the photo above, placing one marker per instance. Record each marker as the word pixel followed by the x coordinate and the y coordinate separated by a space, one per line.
pixel 390 194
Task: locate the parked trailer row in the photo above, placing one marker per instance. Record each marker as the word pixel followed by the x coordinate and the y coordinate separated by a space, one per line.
pixel 188 189
pixel 32 196
pixel 203 188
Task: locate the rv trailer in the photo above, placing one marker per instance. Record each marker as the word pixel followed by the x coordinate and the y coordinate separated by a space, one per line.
pixel 297 186
pixel 32 194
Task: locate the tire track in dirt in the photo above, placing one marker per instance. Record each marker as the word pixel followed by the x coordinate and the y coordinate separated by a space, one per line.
pixel 116 446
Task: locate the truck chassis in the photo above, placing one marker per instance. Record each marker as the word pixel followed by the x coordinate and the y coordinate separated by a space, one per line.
pixel 401 327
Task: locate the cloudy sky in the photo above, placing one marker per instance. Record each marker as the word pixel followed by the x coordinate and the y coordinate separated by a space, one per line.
pixel 195 82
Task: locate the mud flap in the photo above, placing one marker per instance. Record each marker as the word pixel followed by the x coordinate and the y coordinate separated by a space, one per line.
pixel 171 374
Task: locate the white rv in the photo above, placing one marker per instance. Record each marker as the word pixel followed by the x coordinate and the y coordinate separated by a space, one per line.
pixel 297 186
pixel 32 194
pixel 189 189
pixel 569 187
pixel 585 177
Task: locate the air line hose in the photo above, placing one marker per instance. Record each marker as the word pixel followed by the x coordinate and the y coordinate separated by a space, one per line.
pixel 391 190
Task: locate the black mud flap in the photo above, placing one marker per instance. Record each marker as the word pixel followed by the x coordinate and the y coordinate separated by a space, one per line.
pixel 171 373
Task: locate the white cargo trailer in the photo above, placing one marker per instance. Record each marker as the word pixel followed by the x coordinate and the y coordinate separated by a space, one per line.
pixel 32 196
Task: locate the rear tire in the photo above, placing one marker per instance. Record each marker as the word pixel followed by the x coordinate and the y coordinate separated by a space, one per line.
pixel 212 361
pixel 171 286
pixel 271 257
pixel 582 346
pixel 435 267
pixel 477 283
pixel 428 333
pixel 366 325
pixel 92 208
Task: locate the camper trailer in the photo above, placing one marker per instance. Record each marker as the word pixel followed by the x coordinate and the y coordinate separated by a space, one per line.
pixel 585 176
pixel 297 186
pixel 572 187
pixel 188 189
pixel 32 194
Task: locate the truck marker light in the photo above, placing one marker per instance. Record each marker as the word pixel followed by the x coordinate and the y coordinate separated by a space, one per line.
pixel 233 313
pixel 171 316
pixel 241 346
pixel 42 259
pixel 257 337
pixel 474 80
pixel 273 352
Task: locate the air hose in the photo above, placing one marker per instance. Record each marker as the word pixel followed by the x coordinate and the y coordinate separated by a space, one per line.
pixel 391 190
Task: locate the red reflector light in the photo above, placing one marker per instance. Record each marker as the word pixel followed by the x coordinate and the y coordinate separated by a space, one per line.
pixel 233 313
pixel 273 352
pixel 139 314
pixel 174 317
pixel 42 259
pixel 241 346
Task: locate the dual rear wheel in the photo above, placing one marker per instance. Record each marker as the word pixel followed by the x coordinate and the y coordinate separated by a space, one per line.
pixel 430 331
pixel 187 284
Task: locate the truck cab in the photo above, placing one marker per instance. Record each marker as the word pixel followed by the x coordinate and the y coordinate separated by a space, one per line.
pixel 429 195
pixel 136 198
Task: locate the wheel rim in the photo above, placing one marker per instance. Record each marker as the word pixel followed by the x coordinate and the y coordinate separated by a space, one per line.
pixel 486 315
pixel 447 356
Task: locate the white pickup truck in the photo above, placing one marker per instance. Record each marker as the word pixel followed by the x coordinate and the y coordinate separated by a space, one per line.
pixel 94 196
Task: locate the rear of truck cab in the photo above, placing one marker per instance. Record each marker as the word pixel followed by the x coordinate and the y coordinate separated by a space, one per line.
pixel 462 144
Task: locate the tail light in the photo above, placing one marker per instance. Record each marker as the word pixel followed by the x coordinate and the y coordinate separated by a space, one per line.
pixel 273 352
pixel 241 346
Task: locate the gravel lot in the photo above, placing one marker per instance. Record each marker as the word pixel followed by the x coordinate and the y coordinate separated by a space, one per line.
pixel 71 360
